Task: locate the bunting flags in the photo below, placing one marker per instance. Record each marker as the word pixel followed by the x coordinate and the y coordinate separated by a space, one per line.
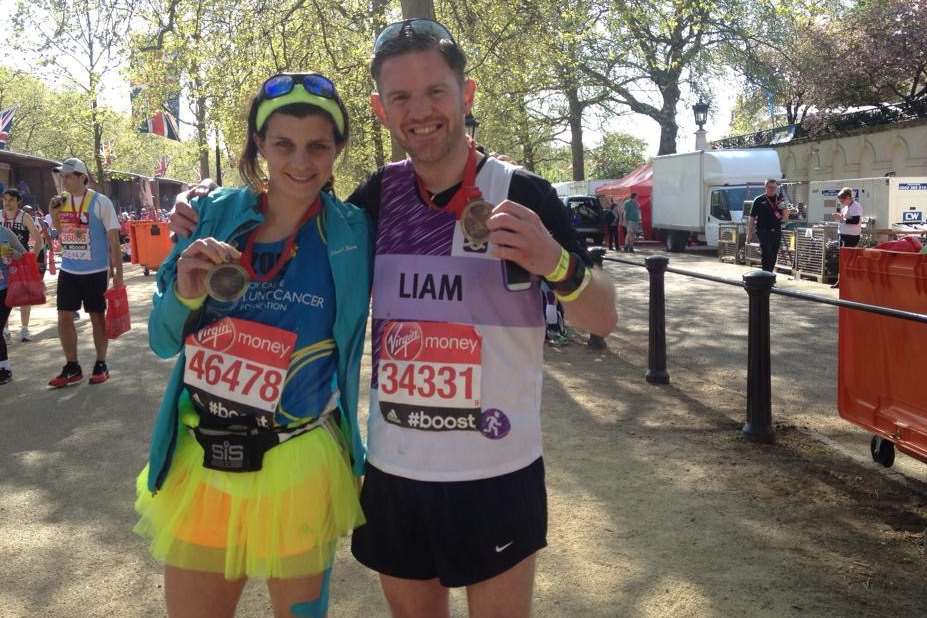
pixel 161 167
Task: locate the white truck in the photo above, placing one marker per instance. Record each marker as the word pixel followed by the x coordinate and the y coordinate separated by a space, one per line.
pixel 694 192
pixel 890 199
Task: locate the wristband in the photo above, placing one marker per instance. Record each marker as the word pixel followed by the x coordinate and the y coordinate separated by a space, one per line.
pixel 566 298
pixel 191 303
pixel 560 273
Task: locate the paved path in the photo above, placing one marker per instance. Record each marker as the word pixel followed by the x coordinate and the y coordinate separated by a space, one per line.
pixel 657 506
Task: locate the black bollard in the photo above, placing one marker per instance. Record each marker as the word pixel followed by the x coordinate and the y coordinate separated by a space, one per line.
pixel 656 358
pixel 758 427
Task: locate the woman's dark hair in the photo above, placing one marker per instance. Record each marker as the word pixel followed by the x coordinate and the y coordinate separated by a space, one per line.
pixel 248 167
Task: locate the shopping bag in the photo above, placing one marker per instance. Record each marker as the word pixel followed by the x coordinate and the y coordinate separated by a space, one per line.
pixel 25 285
pixel 118 320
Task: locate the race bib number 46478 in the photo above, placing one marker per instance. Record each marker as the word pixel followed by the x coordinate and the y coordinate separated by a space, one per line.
pixel 429 376
pixel 238 368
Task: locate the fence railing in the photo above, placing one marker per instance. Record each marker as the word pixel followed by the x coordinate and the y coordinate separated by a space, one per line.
pixel 759 285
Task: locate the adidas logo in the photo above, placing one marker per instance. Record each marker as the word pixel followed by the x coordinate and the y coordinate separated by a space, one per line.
pixel 392 417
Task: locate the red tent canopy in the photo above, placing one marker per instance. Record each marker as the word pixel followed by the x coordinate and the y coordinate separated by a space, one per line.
pixel 639 181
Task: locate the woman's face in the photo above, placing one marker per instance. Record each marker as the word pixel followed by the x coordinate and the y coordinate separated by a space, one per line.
pixel 300 154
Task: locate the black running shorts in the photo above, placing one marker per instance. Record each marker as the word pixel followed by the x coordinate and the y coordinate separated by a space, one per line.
pixel 88 289
pixel 461 532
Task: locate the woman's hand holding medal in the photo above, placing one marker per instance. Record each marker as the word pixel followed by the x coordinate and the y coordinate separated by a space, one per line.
pixel 209 265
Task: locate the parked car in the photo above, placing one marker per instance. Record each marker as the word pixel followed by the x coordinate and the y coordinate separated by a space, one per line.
pixel 588 217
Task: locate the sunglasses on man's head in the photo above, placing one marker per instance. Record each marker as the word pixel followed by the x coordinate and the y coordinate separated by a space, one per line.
pixel 425 27
pixel 283 84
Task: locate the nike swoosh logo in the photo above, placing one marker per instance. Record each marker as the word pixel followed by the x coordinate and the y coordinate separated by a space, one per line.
pixel 500 549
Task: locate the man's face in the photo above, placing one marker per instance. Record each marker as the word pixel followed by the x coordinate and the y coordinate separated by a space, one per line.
pixel 772 188
pixel 73 182
pixel 10 202
pixel 423 104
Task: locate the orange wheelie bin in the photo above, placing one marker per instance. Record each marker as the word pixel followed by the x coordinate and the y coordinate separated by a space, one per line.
pixel 882 361
pixel 150 242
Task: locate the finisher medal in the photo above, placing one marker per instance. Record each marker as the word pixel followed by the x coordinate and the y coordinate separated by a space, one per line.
pixel 227 282
pixel 473 221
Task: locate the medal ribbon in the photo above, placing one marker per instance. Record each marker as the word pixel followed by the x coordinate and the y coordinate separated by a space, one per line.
pixel 248 254
pixel 466 193
pixel 80 211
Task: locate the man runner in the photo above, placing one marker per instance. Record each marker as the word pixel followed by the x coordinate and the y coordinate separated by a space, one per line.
pixel 454 493
pixel 90 255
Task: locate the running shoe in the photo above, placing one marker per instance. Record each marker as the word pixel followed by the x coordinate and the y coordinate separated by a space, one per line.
pixel 70 374
pixel 5 376
pixel 100 373
pixel 25 335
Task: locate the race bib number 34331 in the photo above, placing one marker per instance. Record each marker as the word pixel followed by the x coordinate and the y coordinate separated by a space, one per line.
pixel 238 368
pixel 429 376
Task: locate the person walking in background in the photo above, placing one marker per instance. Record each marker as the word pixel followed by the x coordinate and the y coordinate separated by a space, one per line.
pixel 10 248
pixel 90 256
pixel 850 217
pixel 632 221
pixel 765 222
pixel 611 221
pixel 21 223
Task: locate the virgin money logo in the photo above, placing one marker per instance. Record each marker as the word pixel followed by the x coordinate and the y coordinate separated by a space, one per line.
pixel 218 336
pixel 403 340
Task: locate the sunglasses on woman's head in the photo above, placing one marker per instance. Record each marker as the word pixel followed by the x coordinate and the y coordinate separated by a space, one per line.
pixel 283 84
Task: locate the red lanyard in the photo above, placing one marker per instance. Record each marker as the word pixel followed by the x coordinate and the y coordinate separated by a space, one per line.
pixel 248 254
pixel 466 193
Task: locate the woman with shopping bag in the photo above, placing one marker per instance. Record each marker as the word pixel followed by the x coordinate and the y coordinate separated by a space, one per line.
pixel 10 249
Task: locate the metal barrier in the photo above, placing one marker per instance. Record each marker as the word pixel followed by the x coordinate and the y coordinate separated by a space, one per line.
pixel 759 285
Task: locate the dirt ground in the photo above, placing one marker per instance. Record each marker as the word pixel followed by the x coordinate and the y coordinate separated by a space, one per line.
pixel 658 507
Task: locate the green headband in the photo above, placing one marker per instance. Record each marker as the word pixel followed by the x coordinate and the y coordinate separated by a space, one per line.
pixel 300 95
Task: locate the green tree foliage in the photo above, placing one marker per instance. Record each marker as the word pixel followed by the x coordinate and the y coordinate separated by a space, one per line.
pixel 618 154
pixel 54 124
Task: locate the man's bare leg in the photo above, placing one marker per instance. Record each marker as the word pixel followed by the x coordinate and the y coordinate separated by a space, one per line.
pixel 68 335
pixel 100 342
pixel 507 595
pixel 415 598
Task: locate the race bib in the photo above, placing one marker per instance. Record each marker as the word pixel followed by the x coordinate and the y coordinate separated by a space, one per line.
pixel 75 241
pixel 429 376
pixel 237 368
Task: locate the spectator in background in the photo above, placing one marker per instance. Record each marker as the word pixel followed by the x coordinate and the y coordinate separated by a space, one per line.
pixel 631 221
pixel 850 217
pixel 765 220
pixel 611 222
pixel 19 221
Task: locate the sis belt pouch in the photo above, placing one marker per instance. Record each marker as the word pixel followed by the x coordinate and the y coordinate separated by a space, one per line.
pixel 235 372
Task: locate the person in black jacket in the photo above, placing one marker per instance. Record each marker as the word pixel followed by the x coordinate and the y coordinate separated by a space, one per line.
pixel 766 217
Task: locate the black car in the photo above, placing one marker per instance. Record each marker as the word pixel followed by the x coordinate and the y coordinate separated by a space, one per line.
pixel 588 217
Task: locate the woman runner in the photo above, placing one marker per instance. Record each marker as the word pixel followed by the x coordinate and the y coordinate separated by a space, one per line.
pixel 256 450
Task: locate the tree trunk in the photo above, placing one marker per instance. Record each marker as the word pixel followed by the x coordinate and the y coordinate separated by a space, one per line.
pixel 668 131
pixel 202 137
pixel 576 134
pixel 379 155
pixel 418 8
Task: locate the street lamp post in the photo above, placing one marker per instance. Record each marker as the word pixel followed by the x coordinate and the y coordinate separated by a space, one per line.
pixel 700 110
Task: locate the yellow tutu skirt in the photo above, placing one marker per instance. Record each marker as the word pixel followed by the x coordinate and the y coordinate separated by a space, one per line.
pixel 283 521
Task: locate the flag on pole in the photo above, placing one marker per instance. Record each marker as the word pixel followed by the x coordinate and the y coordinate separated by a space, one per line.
pixel 6 125
pixel 161 123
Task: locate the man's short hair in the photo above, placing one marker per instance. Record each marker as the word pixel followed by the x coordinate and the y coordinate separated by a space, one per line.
pixel 409 41
pixel 14 193
pixel 771 180
pixel 633 195
pixel 845 192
